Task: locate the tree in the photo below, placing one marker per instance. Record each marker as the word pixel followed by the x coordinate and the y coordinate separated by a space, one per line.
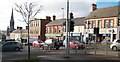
pixel 28 11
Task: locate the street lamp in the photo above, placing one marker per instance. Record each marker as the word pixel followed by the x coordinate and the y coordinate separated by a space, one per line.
pixel 63 12
pixel 67 28
pixel 63 25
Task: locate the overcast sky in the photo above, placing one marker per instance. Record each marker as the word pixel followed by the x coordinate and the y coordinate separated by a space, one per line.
pixel 79 8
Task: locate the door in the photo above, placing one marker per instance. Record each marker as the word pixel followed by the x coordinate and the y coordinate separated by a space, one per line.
pixel 8 46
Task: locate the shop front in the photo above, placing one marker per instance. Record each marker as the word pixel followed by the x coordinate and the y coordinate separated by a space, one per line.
pixel 103 33
pixel 55 36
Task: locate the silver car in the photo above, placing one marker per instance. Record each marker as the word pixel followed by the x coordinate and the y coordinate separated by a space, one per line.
pixel 11 46
pixel 115 45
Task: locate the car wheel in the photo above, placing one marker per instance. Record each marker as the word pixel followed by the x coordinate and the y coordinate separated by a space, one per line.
pixel 114 48
pixel 17 49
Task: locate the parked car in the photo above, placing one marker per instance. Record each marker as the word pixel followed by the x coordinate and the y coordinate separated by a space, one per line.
pixel 38 43
pixel 115 45
pixel 75 44
pixel 51 44
pixel 12 46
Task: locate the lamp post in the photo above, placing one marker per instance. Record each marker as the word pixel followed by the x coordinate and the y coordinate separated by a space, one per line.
pixel 63 12
pixel 67 28
pixel 63 25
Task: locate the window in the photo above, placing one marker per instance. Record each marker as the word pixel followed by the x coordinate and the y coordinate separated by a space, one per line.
pixel 34 24
pixel 46 30
pixel 54 30
pixel 59 30
pixel 38 23
pixel 106 23
pixel 99 23
pixel 50 30
pixel 111 23
pixel 89 24
pixel 93 24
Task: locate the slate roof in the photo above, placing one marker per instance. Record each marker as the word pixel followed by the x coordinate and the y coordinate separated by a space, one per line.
pixel 56 22
pixel 77 21
pixel 104 12
pixel 18 31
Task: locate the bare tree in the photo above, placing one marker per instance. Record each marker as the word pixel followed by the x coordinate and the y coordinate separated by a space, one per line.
pixel 28 11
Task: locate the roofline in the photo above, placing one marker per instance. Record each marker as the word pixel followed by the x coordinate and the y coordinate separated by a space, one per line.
pixel 100 17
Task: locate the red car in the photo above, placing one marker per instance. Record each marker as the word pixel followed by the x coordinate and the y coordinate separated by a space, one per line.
pixel 37 43
pixel 76 44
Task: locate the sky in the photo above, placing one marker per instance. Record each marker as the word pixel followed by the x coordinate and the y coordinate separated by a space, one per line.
pixel 80 8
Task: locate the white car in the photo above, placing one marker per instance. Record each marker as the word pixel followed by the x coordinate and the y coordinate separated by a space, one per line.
pixel 52 43
pixel 115 45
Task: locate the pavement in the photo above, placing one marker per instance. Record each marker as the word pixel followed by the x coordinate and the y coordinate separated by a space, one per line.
pixel 80 56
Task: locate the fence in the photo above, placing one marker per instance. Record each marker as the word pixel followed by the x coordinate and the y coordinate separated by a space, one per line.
pixel 97 49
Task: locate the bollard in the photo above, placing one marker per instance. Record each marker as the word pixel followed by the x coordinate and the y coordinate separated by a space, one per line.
pixel 107 49
pixel 95 48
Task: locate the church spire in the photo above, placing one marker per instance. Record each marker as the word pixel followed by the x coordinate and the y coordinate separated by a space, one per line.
pixel 12 22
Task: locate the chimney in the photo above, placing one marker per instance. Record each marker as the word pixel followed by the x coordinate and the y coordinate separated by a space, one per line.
pixel 54 17
pixel 94 7
pixel 48 18
pixel 19 27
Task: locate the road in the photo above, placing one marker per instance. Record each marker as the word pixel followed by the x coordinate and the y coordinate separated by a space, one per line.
pixel 49 55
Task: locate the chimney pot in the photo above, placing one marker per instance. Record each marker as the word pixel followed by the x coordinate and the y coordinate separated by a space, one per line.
pixel 54 17
pixel 48 17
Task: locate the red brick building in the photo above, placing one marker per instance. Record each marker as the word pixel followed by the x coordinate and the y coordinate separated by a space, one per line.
pixel 38 28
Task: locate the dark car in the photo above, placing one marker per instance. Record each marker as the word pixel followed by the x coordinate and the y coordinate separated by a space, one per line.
pixel 11 46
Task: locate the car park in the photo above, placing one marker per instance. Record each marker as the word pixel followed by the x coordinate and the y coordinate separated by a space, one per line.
pixel 115 45
pixel 12 46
